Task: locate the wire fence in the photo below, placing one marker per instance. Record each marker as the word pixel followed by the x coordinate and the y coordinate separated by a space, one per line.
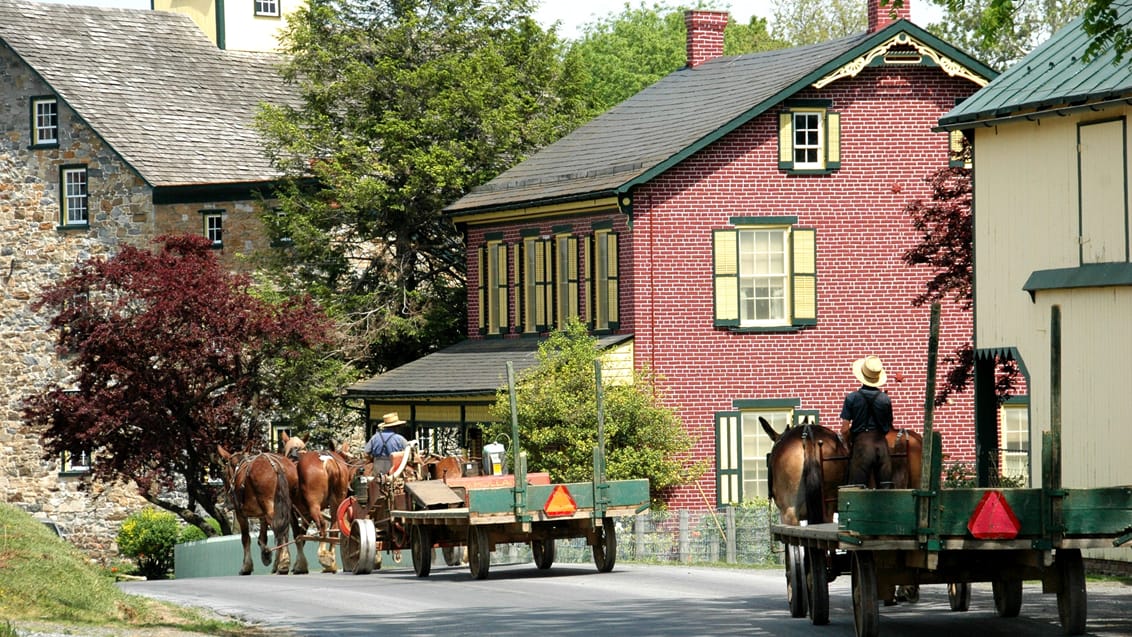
pixel 731 535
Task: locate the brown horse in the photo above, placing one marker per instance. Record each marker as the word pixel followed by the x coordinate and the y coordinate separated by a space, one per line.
pixel 808 464
pixel 324 482
pixel 260 485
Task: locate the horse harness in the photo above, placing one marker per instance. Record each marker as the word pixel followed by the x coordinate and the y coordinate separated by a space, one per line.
pixel 236 493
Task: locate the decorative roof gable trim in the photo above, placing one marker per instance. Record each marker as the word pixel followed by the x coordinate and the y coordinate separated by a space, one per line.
pixel 949 66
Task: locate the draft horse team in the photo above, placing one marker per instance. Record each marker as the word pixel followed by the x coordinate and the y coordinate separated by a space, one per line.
pixel 287 493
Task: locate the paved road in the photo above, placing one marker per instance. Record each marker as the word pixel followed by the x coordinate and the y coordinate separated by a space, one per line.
pixel 576 600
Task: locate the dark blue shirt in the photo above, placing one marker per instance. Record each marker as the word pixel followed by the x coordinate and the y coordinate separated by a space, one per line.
pixel 385 443
pixel 856 409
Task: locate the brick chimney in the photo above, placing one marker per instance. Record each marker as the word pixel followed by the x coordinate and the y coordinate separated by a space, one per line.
pixel 882 16
pixel 705 35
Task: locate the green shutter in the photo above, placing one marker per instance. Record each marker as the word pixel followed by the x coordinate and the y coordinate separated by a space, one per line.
pixel 805 295
pixel 728 458
pixel 786 141
pixel 725 275
pixel 481 287
pixel 832 141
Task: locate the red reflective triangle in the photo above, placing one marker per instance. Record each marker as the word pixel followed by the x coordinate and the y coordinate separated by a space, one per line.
pixel 993 519
pixel 560 502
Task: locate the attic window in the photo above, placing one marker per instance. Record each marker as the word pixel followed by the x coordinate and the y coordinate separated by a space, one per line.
pixel 267 7
pixel 44 121
pixel 902 55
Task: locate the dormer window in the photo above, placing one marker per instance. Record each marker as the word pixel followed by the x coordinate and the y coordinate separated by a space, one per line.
pixel 44 121
pixel 267 7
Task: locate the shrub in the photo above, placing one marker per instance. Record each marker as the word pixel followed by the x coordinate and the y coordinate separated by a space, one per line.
pixel 148 536
pixel 193 534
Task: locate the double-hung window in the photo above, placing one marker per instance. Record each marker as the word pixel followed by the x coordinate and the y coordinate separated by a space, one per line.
pixel 601 279
pixel 267 7
pixel 536 264
pixel 44 121
pixel 214 227
pixel 765 274
pixel 742 446
pixel 1014 417
pixel 492 290
pixel 809 137
pixel 74 197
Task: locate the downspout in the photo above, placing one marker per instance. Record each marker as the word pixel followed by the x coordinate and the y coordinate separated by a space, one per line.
pixel 221 36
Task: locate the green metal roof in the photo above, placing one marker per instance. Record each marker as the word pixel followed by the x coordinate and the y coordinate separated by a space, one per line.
pixel 1052 77
pixel 678 116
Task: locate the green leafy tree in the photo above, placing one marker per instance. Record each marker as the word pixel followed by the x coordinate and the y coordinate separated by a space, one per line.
pixel 405 107
pixel 1000 34
pixel 170 355
pixel 801 22
pixel 556 404
pixel 623 53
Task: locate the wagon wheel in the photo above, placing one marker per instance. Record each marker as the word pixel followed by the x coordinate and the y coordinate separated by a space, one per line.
pixel 1007 597
pixel 866 611
pixel 479 552
pixel 959 596
pixel 420 542
pixel 359 547
pixel 543 552
pixel 1072 603
pixel 817 587
pixel 795 581
pixel 605 546
pixel 453 555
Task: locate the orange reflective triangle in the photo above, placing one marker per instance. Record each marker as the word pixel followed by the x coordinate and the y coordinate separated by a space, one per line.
pixel 993 519
pixel 560 502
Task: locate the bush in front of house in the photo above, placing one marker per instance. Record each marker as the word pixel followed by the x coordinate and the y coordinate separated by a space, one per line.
pixel 148 537
pixel 191 533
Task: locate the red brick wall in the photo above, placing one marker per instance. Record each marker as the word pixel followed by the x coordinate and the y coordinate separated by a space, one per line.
pixel 864 289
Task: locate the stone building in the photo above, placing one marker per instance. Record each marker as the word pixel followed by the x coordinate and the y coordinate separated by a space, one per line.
pixel 116 126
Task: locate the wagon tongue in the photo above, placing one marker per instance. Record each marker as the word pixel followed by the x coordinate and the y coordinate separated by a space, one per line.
pixel 993 519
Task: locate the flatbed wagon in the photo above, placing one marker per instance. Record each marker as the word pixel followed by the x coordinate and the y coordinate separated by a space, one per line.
pixel 907 537
pixel 480 512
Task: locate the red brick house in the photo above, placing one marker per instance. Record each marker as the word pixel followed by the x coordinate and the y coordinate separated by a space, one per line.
pixel 738 228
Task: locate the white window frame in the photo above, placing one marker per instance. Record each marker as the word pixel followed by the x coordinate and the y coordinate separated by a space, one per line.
pixel 1014 438
pixel 214 227
pixel 266 7
pixel 760 265
pixel 813 142
pixel 45 121
pixel 74 186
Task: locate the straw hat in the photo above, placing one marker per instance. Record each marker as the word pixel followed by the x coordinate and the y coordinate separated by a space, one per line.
pixel 391 420
pixel 870 371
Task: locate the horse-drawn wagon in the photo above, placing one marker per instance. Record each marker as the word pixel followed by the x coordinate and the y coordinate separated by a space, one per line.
pixel 401 510
pixel 908 537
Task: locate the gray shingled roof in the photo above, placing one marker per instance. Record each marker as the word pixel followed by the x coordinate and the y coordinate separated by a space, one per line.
pixel 176 108
pixel 471 367
pixel 675 117
pixel 1054 75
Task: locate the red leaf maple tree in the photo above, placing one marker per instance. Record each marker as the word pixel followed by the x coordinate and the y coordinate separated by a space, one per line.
pixel 170 355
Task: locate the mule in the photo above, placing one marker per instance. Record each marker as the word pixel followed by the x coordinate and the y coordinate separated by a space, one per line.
pixel 324 482
pixel 260 486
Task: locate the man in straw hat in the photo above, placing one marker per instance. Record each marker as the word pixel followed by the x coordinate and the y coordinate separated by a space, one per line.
pixel 384 444
pixel 866 416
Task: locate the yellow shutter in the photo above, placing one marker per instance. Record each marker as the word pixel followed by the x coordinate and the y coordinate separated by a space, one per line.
pixel 572 277
pixel 805 276
pixel 481 286
pixel 502 288
pixel 726 276
pixel 588 281
pixel 833 140
pixel 612 278
pixel 785 140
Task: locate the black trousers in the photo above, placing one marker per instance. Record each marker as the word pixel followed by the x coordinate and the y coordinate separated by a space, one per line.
pixel 869 458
